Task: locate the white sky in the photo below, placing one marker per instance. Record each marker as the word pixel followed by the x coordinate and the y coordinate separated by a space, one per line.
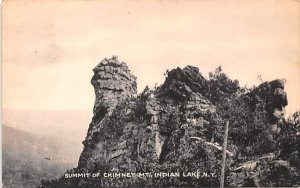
pixel 50 47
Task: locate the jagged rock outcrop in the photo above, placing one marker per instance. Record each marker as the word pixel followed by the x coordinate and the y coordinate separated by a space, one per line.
pixel 261 113
pixel 273 92
pixel 155 131
pixel 185 86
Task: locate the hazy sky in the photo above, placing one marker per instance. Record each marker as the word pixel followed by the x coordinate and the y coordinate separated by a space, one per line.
pixel 50 47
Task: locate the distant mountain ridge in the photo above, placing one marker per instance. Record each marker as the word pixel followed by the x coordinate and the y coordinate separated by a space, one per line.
pixel 28 158
pixel 67 127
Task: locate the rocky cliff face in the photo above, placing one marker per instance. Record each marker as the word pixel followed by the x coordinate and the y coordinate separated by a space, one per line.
pixel 178 127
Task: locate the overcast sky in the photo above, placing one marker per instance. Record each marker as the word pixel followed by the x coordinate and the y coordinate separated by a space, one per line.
pixel 50 47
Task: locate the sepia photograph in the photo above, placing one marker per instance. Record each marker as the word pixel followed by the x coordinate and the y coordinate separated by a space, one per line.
pixel 151 93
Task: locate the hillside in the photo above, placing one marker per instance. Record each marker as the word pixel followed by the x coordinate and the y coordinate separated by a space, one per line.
pixel 27 158
pixel 67 127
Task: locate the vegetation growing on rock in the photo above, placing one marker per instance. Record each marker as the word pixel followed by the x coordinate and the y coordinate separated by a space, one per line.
pixel 156 130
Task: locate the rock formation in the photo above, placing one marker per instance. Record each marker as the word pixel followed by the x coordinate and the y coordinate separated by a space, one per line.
pixel 155 131
pixel 113 84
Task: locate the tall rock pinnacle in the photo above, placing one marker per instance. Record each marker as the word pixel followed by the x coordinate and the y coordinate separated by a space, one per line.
pixel 112 82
